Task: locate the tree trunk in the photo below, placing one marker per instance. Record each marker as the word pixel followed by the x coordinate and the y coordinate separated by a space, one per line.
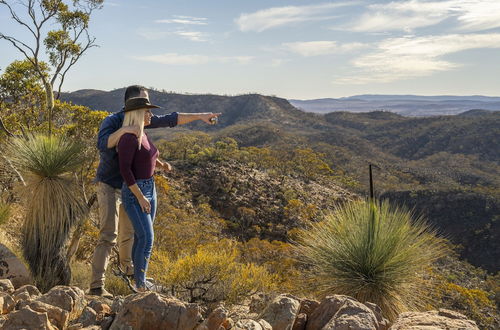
pixel 49 96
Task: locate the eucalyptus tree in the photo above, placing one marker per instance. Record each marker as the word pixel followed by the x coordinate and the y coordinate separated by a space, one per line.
pixel 57 31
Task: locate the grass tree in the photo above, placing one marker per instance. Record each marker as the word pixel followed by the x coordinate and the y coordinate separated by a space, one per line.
pixel 371 251
pixel 53 204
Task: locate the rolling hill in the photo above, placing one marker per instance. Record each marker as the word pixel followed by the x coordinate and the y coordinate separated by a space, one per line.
pixel 445 167
pixel 406 105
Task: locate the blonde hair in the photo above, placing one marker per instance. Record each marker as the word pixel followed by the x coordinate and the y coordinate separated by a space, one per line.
pixel 135 117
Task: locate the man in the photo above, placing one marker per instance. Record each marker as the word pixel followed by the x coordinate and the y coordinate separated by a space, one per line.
pixel 109 181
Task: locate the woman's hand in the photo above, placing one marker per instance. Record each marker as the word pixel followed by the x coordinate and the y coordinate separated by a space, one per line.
pixel 163 166
pixel 145 204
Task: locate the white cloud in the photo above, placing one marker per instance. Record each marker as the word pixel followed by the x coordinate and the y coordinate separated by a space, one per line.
pixel 278 16
pixel 180 59
pixel 191 35
pixel 185 20
pixel 480 15
pixel 315 48
pixel 409 57
pixel 471 15
pixel 157 35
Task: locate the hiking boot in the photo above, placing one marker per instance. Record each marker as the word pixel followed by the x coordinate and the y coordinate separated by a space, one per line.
pixel 101 292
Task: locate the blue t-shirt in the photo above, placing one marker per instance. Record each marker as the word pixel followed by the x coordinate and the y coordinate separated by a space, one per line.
pixel 108 170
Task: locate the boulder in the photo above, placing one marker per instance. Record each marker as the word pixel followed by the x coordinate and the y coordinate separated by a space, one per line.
pixel 352 315
pixel 6 286
pixel 442 319
pixel 7 303
pixel 383 324
pixel 100 307
pixel 258 302
pixel 300 322
pixel 117 304
pixel 69 298
pixel 325 311
pixel 12 268
pixel 264 324
pixel 26 292
pixel 308 306
pixel 247 324
pixel 27 318
pixel 106 322
pixel 22 297
pixel 281 312
pixel 75 326
pixel 57 316
pixel 88 317
pixel 215 320
pixel 150 310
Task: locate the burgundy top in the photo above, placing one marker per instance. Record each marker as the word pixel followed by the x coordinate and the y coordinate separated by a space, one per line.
pixel 135 163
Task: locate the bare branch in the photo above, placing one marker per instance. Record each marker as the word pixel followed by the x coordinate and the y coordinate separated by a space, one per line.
pixel 17 43
pixel 16 18
pixel 3 128
pixel 90 44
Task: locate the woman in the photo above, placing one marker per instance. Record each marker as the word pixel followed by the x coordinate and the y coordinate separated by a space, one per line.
pixel 138 157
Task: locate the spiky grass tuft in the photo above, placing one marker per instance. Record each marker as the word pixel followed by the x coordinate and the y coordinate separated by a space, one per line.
pixel 373 252
pixel 53 203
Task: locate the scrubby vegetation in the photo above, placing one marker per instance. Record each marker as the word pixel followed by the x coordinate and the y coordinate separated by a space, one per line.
pixel 242 191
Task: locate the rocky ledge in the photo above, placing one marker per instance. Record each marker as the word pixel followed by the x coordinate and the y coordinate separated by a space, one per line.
pixel 65 307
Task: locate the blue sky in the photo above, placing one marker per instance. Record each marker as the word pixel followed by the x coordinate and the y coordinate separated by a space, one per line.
pixel 292 49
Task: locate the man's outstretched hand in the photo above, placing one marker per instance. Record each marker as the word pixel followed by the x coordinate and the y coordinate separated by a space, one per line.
pixel 210 118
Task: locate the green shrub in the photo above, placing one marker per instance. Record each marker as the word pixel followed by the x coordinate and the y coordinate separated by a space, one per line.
pixel 371 251
pixel 212 274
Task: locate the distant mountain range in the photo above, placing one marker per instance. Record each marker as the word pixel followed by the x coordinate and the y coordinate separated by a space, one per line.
pixel 445 166
pixel 405 105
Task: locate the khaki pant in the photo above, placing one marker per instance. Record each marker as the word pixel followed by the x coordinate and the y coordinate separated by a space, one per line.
pixel 114 223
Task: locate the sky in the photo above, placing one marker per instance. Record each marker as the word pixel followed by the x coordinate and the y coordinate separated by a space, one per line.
pixel 292 49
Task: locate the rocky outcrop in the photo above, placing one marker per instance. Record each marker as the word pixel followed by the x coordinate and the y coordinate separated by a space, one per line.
pixel 218 319
pixel 26 318
pixel 7 303
pixel 281 312
pixel 57 316
pixel 26 292
pixel 325 311
pixel 68 308
pixel 69 298
pixel 343 312
pixel 248 324
pixel 441 319
pixel 6 286
pixel 12 268
pixel 154 311
pixel 353 315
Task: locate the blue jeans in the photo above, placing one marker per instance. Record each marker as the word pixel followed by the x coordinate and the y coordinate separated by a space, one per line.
pixel 143 226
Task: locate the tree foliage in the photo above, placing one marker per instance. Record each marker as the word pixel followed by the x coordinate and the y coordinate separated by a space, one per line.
pixel 64 44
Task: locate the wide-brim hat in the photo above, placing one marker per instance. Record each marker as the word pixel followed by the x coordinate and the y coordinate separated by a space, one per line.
pixel 136 103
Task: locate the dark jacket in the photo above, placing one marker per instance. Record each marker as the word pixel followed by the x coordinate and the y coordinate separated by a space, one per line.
pixel 108 170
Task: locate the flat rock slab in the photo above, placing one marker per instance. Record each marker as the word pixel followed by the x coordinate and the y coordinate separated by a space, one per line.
pixel 12 268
